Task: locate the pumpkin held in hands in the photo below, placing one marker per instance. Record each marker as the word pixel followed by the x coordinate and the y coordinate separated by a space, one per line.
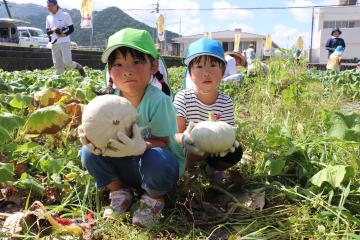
pixel 104 116
pixel 213 136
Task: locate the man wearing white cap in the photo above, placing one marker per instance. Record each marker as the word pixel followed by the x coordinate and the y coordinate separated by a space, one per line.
pixel 59 26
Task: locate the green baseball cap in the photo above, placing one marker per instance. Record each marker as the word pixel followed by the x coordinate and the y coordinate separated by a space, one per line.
pixel 140 40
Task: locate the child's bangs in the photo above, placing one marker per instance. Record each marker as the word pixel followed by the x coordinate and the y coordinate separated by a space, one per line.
pixel 208 59
pixel 124 51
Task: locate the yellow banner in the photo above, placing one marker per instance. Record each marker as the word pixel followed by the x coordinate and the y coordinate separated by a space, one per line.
pixel 300 43
pixel 267 48
pixel 86 13
pixel 208 35
pixel 237 43
pixel 161 27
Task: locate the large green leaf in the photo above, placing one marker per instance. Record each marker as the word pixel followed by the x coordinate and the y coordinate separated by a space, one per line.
pixel 6 172
pixel 28 182
pixel 48 120
pixel 274 165
pixel 50 165
pixel 4 135
pixel 10 121
pixel 26 147
pixel 21 101
pixel 343 126
pixel 277 137
pixel 334 175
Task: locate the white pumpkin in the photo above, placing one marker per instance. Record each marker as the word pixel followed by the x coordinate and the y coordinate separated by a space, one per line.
pixel 104 116
pixel 213 136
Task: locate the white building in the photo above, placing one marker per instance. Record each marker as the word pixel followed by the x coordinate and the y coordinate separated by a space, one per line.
pixel 227 38
pixel 347 18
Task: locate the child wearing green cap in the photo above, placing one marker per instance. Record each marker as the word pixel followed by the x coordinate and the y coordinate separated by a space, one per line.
pixel 206 64
pixel 132 60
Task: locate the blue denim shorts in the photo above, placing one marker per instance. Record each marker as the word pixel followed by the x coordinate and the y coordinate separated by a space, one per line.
pixel 156 171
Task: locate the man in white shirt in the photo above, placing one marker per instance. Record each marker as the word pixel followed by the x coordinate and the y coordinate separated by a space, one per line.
pixel 59 26
pixel 250 54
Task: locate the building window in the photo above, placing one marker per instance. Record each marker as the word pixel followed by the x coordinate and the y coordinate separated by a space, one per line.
pixel 228 46
pixel 342 24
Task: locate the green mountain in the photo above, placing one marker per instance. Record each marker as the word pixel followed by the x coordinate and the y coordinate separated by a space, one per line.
pixel 105 22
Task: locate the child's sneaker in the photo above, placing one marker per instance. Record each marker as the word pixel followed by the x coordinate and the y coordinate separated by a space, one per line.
pixel 120 202
pixel 149 211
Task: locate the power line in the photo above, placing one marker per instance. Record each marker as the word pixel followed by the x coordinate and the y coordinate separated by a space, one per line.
pixel 237 8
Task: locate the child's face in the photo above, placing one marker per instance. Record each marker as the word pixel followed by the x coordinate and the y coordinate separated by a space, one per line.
pixel 132 75
pixel 206 74
pixel 336 34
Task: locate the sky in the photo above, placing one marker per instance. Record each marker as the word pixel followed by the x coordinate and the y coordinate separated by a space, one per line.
pixel 284 26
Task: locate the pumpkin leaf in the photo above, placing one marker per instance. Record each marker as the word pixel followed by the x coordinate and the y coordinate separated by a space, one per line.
pixel 274 165
pixel 50 165
pixel 343 126
pixel 21 101
pixel 334 175
pixel 47 120
pixel 10 121
pixel 6 172
pixel 276 137
pixel 48 97
pixel 26 147
pixel 4 135
pixel 26 181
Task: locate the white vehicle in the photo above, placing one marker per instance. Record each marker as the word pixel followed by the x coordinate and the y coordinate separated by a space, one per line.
pixel 32 37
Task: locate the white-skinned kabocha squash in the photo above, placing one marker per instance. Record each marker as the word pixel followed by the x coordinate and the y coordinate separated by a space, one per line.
pixel 104 116
pixel 213 136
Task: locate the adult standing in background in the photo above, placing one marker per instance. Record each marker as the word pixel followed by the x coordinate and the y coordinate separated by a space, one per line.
pixel 250 54
pixel 59 26
pixel 334 41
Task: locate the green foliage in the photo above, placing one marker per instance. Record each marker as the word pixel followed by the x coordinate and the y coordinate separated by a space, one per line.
pixel 301 146
pixel 46 120
pixel 343 126
pixel 26 181
pixel 334 175
pixel 6 172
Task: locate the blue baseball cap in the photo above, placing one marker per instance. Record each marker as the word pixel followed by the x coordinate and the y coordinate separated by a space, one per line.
pixel 205 46
pixel 54 2
pixel 339 48
pixel 297 50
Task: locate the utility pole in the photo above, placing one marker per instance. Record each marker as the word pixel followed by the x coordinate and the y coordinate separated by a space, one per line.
pixel 157 5
pixel 7 9
pixel 311 37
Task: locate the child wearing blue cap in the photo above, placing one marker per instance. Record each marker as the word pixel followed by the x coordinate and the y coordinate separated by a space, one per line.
pixel 334 62
pixel 297 55
pixel 206 64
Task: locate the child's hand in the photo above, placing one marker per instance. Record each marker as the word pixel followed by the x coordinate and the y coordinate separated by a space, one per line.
pixel 231 150
pixel 125 146
pixel 84 141
pixel 188 143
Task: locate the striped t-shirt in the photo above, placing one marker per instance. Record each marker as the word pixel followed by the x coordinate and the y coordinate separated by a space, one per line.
pixel 191 108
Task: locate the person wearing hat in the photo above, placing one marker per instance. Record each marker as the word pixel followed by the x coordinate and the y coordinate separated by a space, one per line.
pixel 334 61
pixel 232 59
pixel 59 26
pixel 250 54
pixel 334 41
pixel 205 63
pixel 297 55
pixel 148 159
